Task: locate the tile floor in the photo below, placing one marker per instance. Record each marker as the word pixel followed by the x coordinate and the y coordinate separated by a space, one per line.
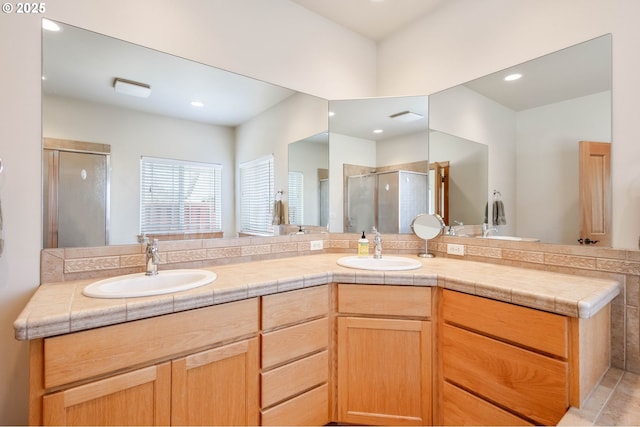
pixel 615 402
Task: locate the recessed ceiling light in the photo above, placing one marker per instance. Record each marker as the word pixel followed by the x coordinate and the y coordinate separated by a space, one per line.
pixel 197 103
pixel 331 114
pixel 50 25
pixel 512 77
pixel 378 131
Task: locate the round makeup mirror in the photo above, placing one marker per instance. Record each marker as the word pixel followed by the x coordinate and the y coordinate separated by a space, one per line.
pixel 427 227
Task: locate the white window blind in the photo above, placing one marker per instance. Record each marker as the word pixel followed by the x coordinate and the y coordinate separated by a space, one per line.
pixel 179 196
pixel 257 196
pixel 296 197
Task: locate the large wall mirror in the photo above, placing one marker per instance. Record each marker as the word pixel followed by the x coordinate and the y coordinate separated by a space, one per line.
pixel 532 127
pixel 378 163
pixel 164 107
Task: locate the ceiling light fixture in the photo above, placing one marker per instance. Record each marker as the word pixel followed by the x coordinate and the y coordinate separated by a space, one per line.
pixel 406 116
pixel 512 77
pixel 129 87
pixel 49 25
pixel 198 104
pixel 378 131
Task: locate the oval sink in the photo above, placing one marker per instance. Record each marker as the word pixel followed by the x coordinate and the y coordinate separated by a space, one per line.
pixel 141 285
pixel 386 263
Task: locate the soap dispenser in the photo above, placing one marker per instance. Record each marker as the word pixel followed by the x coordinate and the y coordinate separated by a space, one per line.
pixel 363 246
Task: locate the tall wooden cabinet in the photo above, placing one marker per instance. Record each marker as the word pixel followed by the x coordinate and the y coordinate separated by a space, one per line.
pixel 384 355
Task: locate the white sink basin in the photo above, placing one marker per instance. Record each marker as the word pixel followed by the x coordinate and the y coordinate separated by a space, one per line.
pixel 141 285
pixel 386 263
pixel 512 238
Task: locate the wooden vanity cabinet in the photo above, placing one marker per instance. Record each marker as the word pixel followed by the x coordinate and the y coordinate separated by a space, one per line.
pixel 506 364
pixel 140 397
pixel 189 368
pixel 295 357
pixel 384 355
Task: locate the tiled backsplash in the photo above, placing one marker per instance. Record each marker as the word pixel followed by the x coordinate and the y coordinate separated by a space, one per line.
pixel 85 263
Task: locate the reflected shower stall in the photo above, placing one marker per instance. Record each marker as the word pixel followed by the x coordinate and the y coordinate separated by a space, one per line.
pixel 75 194
pixel 387 200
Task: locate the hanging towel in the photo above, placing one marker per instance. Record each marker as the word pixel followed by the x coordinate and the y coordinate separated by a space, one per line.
pixel 486 213
pixel 278 213
pixel 499 217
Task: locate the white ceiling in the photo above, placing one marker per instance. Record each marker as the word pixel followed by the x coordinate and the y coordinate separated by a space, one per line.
pixel 374 19
pixel 579 70
pixel 82 64
pixel 360 117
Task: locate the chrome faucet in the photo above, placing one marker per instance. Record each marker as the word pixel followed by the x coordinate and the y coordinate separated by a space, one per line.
pixel 152 257
pixel 377 242
pixel 486 229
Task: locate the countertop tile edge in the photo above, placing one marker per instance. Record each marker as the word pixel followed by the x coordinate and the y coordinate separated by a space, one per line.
pixel 29 326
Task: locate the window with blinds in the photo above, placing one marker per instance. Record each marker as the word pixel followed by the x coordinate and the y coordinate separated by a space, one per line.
pixel 257 196
pixel 179 196
pixel 296 197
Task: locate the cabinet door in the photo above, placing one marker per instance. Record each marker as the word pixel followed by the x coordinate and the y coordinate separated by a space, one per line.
pixel 384 371
pixel 141 397
pixel 217 386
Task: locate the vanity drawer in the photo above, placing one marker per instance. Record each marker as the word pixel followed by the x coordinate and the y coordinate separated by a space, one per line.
pixel 460 408
pixel 91 353
pixel 308 409
pixel 384 300
pixel 288 380
pixel 283 345
pixel 539 330
pixel 530 384
pixel 294 307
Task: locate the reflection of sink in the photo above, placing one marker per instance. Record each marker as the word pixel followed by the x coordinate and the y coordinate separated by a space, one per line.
pixel 389 263
pixel 141 285
pixel 512 238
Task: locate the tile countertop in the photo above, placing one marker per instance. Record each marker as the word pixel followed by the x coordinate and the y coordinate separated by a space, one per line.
pixel 60 308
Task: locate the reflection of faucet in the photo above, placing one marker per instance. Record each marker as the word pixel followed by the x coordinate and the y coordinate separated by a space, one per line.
pixel 452 231
pixel 377 242
pixel 486 229
pixel 152 258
